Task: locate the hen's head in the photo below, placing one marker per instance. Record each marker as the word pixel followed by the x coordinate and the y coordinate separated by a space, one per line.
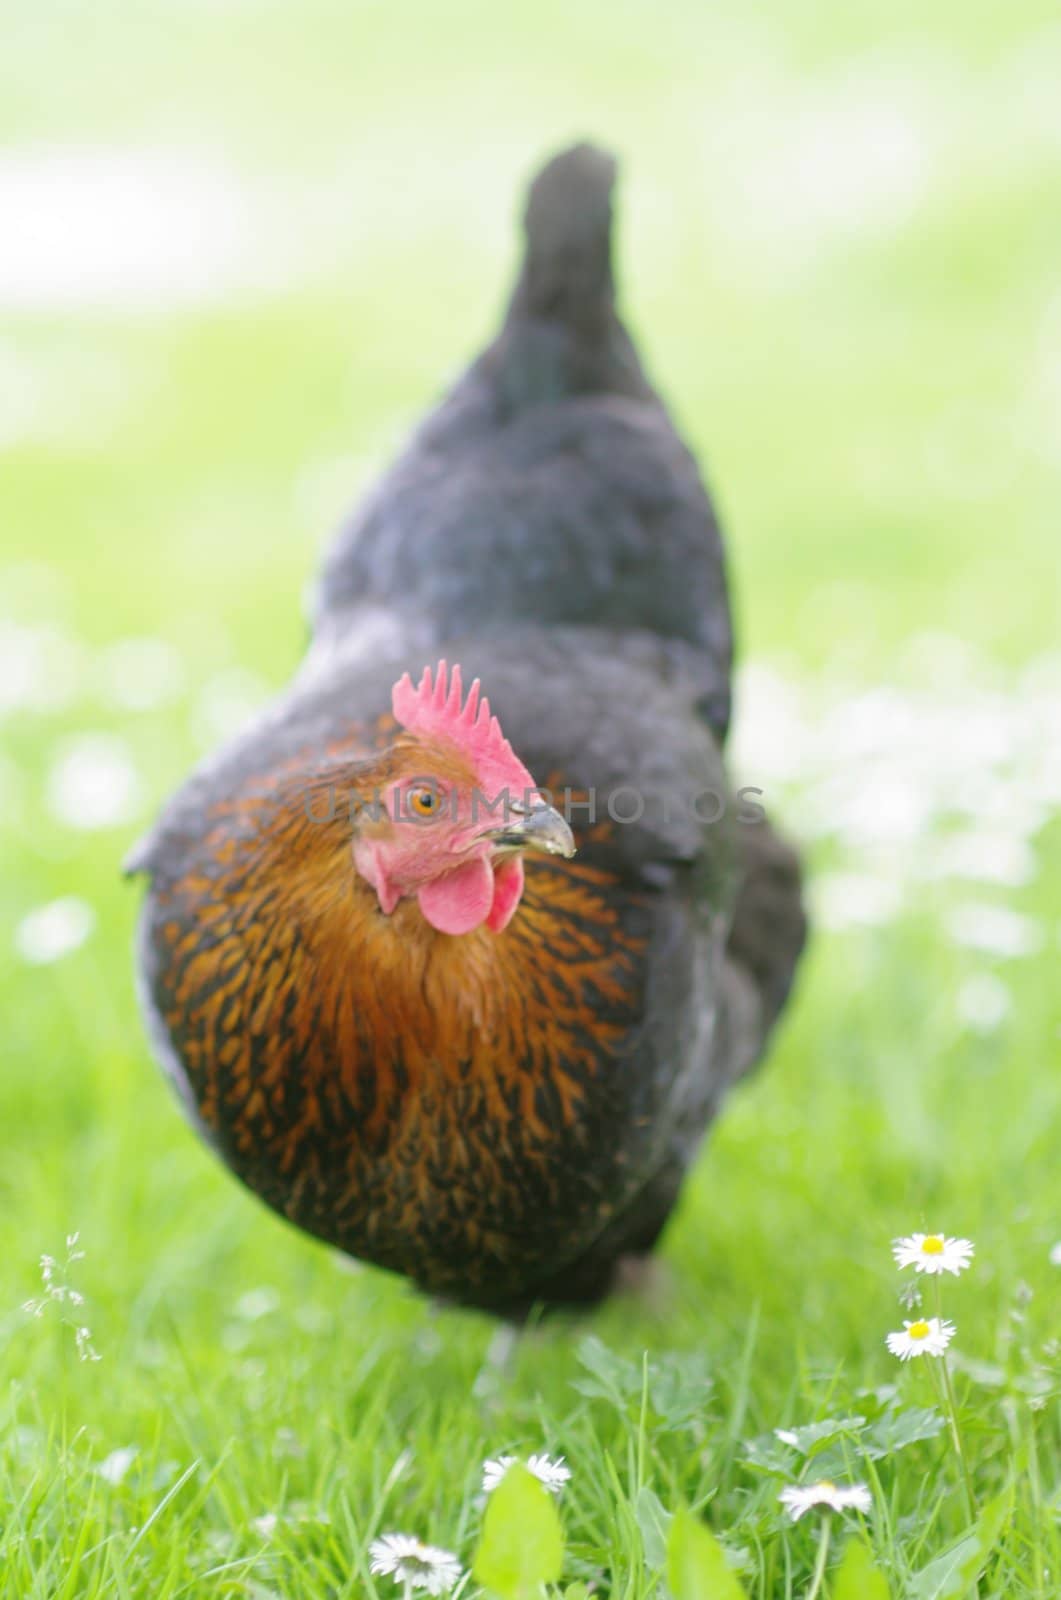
pixel 456 811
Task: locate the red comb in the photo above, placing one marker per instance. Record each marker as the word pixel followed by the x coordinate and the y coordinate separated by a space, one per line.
pixel 433 707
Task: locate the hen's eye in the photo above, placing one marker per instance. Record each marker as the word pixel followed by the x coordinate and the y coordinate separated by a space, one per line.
pixel 424 802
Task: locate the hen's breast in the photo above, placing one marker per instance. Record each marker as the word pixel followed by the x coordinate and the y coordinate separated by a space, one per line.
pixel 467 1111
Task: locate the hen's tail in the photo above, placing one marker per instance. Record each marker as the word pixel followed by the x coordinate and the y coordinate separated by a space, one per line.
pixel 567 268
pixel 562 334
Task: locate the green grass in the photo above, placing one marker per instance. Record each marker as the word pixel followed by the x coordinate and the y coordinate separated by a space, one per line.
pixel 876 410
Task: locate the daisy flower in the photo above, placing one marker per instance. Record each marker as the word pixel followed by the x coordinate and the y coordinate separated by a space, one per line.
pixel 933 1253
pixel 554 1474
pixel 798 1499
pixel 408 1560
pixel 929 1336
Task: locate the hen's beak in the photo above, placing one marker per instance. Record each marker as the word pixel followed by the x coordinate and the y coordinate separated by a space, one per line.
pixel 538 828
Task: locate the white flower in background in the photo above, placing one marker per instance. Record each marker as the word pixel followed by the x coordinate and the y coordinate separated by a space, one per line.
pixel 798 1499
pixel 1014 802
pixel 226 703
pixel 984 857
pixel 553 1474
pixel 61 1297
pixel 773 737
pixel 139 674
pixel 995 930
pixel 40 668
pixel 408 1560
pixel 114 1467
pixel 257 1303
pixel 855 899
pixel 933 1253
pixel 494 1470
pixel 94 783
pixel 76 392
pixel 155 228
pixel 929 1336
pixel 86 1351
pixel 854 155
pixel 869 806
pixel 265 1525
pixel 54 930
pixel 1055 1255
pixel 983 1002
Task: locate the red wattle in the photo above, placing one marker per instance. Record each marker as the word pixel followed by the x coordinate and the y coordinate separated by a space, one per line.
pixel 508 888
pixel 460 900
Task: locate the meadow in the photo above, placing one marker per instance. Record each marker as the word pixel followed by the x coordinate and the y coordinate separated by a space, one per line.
pixel 245 245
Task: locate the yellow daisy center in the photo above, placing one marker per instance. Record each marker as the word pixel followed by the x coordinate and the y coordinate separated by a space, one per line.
pixel 932 1246
pixel 918 1330
pixel 825 1487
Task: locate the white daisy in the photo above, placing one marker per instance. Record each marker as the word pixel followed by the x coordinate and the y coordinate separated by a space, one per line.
pixel 855 899
pixel 933 1253
pixel 94 783
pixel 554 1474
pixel 929 1336
pixel 114 1467
pixel 994 929
pixel 494 1470
pixel 798 1499
pixel 983 1002
pixel 40 667
pixel 408 1560
pixel 54 930
pixel 984 856
pixel 1055 1255
pixel 139 674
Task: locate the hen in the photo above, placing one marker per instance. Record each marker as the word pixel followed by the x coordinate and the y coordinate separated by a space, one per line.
pixel 396 1000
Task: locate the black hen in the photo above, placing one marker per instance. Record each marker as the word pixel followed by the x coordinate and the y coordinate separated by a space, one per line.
pixel 456 1050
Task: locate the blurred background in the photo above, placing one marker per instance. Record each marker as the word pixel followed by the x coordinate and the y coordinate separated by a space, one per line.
pixel 246 243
